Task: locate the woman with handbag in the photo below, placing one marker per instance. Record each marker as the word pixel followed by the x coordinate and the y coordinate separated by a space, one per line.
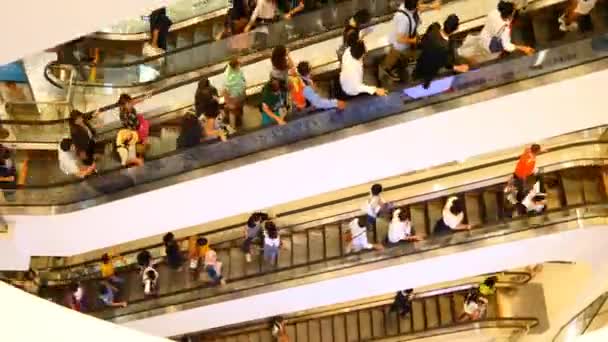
pixel 130 119
pixel 495 37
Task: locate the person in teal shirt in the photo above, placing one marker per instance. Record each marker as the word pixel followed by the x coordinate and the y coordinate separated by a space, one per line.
pixel 274 103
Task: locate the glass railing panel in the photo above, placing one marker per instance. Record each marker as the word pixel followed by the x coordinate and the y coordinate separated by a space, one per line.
pixel 579 323
pixel 178 11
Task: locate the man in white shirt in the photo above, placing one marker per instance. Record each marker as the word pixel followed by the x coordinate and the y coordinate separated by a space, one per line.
pixel 404 36
pixel 69 163
pixel 359 241
pixel 576 9
pixel 351 74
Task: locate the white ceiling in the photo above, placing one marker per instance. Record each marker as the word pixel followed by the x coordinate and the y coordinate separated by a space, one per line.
pixel 30 26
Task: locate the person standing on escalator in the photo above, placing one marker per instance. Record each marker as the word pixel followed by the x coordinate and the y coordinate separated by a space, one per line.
pixel 351 73
pixel 352 30
pixel 264 14
pixel 451 219
pixel 402 304
pixel 130 119
pixel 526 167
pixel 437 51
pixel 494 39
pixel 175 259
pixel 575 11
pixel 404 37
pixel 159 28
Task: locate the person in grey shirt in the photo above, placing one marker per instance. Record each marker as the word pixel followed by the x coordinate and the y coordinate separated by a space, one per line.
pixel 404 37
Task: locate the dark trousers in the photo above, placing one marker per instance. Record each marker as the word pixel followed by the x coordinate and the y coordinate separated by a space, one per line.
pixel 396 59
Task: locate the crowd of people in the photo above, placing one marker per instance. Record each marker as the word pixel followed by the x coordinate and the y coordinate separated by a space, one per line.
pixel 290 88
pixel 261 237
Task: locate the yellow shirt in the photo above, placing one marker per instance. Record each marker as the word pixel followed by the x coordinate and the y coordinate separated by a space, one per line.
pixel 124 134
pixel 107 270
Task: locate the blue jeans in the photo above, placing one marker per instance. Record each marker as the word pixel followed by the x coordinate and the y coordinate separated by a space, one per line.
pixel 212 273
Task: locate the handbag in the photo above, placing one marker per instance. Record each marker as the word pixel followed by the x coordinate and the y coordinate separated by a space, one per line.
pixel 496 41
pixel 144 128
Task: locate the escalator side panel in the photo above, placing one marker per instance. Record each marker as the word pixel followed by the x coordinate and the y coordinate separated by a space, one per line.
pixel 491 206
pixel 378 322
pixel 333 240
pixel 302 331
pixel 314 330
pixel 300 248
pixel 237 263
pixel 339 328
pixel 327 330
pixel 418 318
pixel 366 324
pixel 316 244
pixel 445 310
pixel 419 222
pixel 352 326
pixel 431 313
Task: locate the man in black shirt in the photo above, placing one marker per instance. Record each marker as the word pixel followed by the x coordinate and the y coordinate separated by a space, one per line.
pixel 438 51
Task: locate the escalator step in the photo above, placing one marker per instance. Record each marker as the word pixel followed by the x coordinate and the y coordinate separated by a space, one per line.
pixel 573 187
pixel 592 187
pixel 339 329
pixel 285 253
pixel 492 309
pixel 418 318
pixel 224 256
pixel 302 331
pixel 314 331
pixel 458 304
pixel 237 263
pixel 392 323
pixel 445 310
pixel 378 324
pixel 315 244
pixel 344 245
pixel 431 313
pixel 554 193
pixel 253 337
pixel 300 248
pixel 290 329
pixel 474 212
pixel 332 240
pixel 435 209
pixel 352 326
pixel 266 336
pixel 327 330
pixel 381 230
pixel 253 267
pixel 418 220
pixel 491 205
pixel 405 324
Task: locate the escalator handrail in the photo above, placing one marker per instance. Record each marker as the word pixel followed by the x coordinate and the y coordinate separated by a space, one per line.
pixel 417 104
pixel 363 195
pixel 363 260
pixel 297 318
pixel 565 329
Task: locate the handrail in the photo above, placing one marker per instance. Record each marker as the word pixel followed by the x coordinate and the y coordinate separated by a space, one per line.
pixel 323 312
pixel 566 219
pixel 581 321
pixel 361 196
pixel 66 101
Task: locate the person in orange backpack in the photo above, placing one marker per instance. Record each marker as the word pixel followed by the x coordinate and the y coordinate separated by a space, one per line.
pixel 303 93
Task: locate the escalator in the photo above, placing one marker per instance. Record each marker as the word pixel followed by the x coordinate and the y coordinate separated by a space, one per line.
pixel 316 248
pixel 193 49
pixel 434 313
pixel 584 55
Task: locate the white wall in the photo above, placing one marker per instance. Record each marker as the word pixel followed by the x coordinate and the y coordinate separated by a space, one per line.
pixel 480 128
pixel 30 26
pixel 581 245
pixel 28 318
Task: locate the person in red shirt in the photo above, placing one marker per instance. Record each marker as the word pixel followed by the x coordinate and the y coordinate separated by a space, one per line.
pixel 526 166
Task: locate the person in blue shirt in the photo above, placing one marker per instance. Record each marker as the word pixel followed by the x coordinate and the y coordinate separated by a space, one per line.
pixel 311 95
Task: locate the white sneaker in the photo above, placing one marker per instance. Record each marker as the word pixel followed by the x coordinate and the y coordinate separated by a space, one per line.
pixel 247 257
pixel 223 282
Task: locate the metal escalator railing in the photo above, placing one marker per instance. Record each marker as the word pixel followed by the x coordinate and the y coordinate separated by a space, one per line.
pixel 301 30
pixel 579 324
pixel 317 249
pixel 571 59
pixel 183 13
pixel 434 313
pixel 233 232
